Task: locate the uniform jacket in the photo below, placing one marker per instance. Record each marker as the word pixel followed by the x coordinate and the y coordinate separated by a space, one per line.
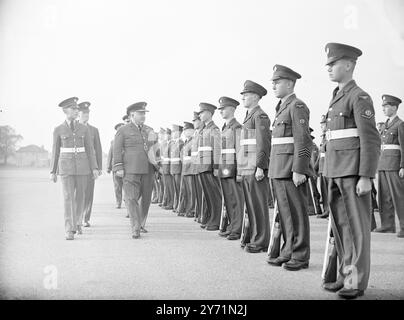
pixel 131 147
pixel 392 159
pixel 72 163
pixel 315 158
pixel 352 107
pixel 250 156
pixel 175 147
pixel 291 120
pixel 110 156
pixel 209 137
pixel 186 158
pixel 228 163
pixel 95 138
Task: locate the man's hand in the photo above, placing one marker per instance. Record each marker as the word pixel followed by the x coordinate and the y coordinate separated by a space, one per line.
pixel 259 174
pixel 95 174
pixel 299 179
pixel 120 173
pixel 401 173
pixel 216 172
pixel 53 177
pixel 238 179
pixel 99 172
pixel 364 186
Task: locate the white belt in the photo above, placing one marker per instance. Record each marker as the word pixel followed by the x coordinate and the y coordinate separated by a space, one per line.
pixel 194 154
pixel 322 154
pixel 284 140
pixel 244 142
pixel 175 159
pixel 187 158
pixel 391 147
pixel 341 134
pixel 165 159
pixel 204 149
pixel 227 151
pixel 72 150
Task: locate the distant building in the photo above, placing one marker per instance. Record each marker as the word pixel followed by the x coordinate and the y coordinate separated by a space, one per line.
pixel 32 156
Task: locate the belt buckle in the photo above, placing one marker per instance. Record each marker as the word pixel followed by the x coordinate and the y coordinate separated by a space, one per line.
pixel 328 135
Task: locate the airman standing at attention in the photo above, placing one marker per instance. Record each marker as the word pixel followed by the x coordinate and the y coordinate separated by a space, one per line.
pixel 200 205
pixel 73 158
pixel 320 165
pixel 232 190
pixel 252 166
pixel 289 169
pixel 175 147
pixel 118 182
pixel 84 116
pixel 168 197
pixel 351 157
pixel 209 153
pixel 391 168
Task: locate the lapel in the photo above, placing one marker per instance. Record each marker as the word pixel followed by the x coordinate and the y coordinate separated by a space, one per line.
pixel 392 122
pixel 74 123
pixel 249 115
pixel 285 104
pixel 342 92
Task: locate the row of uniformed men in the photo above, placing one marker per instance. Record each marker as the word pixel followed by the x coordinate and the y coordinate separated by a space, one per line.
pixel 351 155
pixel 77 158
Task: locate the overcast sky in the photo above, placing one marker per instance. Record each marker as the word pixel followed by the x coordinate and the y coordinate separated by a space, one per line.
pixel 174 54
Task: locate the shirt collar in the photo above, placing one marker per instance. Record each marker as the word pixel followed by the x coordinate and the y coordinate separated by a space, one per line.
pixel 286 97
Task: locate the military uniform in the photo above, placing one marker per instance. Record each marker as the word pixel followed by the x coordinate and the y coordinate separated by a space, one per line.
pixel 118 181
pixel 131 148
pixel 390 184
pixel 323 180
pixel 188 188
pixel 175 147
pixel 352 151
pixel 89 193
pixel 73 159
pixel 209 153
pixel 314 196
pixel 291 152
pixel 232 190
pixel 253 152
pixel 168 197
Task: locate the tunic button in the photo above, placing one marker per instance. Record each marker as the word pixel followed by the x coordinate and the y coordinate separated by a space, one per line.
pixel 340 113
pixel 330 109
pixel 329 119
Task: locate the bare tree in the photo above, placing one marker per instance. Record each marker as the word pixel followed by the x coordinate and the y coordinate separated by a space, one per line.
pixel 8 141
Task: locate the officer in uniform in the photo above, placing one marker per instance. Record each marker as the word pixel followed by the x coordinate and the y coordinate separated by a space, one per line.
pixel 351 156
pixel 200 204
pixel 132 162
pixel 84 116
pixel 320 168
pixel 175 147
pixel 209 153
pixel 161 135
pixel 118 182
pixel 188 188
pixel 391 168
pixel 289 169
pixel 73 159
pixel 252 166
pixel 232 190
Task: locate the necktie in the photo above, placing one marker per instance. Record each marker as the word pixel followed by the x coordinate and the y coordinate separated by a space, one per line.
pixel 140 127
pixel 278 106
pixel 72 125
pixel 387 122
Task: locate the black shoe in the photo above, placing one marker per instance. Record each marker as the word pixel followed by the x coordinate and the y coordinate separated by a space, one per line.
pixel 127 216
pixel 136 235
pixel 86 224
pixel 233 237
pixel 224 233
pixel 384 230
pixel 212 228
pixel 203 226
pixel 400 234
pixel 277 262
pixel 242 245
pixel 333 286
pixel 294 265
pixel 143 230
pixel 70 236
pixel 254 249
pixel 350 293
pixel 310 213
pixel 118 206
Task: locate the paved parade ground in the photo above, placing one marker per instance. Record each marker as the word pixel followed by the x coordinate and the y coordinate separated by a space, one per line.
pixel 175 260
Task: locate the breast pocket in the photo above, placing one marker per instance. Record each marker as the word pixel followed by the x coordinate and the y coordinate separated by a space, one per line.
pixel 392 138
pixel 66 141
pixel 282 128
